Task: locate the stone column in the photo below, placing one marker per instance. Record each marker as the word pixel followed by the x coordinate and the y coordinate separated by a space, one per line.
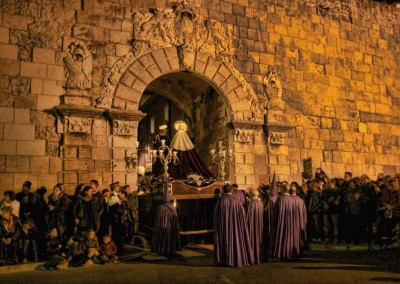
pixel 84 146
pixel 124 125
pixel 250 153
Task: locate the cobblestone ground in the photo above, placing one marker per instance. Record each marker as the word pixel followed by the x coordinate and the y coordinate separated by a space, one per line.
pixel 337 264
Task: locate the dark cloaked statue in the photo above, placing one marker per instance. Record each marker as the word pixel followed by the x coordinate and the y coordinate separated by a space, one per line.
pixel 232 245
pixel 166 239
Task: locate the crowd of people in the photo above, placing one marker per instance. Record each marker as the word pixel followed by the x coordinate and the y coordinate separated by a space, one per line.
pixel 273 221
pixel 91 226
pixel 281 224
pixel 349 209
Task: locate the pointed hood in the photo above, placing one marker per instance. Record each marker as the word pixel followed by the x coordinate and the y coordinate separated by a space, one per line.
pixel 274 190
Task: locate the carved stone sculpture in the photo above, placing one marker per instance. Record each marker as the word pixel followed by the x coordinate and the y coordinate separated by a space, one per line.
pixel 244 135
pixel 272 86
pixel 124 127
pixel 184 28
pixel 186 57
pixel 277 138
pixel 78 63
pixel 335 10
pixel 78 124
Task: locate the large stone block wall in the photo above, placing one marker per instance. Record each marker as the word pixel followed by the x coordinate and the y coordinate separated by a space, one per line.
pixel 338 65
pixel 23 154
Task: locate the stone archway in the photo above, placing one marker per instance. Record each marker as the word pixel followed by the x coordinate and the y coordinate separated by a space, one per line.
pixel 179 39
pixel 100 142
pixel 248 139
pixel 149 67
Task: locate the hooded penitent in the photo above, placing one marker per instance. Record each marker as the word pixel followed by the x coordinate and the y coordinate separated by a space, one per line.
pixel 232 245
pixel 269 210
pixel 255 225
pixel 166 239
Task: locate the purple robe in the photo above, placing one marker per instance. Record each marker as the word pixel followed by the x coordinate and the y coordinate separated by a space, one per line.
pixel 284 228
pixel 232 245
pixel 269 217
pixel 240 195
pixel 300 223
pixel 268 223
pixel 166 239
pixel 255 225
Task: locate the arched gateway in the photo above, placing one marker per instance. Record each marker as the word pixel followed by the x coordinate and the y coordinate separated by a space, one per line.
pixel 166 41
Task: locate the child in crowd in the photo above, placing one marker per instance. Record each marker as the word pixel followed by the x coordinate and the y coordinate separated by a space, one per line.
pixel 77 250
pixel 53 251
pixel 108 250
pixel 93 248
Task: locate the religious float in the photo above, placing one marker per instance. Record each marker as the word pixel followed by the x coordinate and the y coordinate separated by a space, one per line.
pixel 192 187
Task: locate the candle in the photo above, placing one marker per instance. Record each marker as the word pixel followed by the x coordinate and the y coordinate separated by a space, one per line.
pixel 175 153
pixel 230 152
pixel 154 153
pixel 163 143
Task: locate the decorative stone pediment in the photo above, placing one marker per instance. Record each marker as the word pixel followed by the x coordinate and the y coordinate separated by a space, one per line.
pixel 124 127
pixel 182 27
pixel 78 124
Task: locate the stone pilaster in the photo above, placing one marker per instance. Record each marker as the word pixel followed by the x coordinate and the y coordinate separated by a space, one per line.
pixel 250 150
pixel 124 125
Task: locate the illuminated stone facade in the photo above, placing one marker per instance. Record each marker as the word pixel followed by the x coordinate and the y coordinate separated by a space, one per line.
pixel 298 79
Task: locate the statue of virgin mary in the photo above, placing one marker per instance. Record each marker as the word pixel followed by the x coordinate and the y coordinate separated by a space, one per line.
pixel 190 161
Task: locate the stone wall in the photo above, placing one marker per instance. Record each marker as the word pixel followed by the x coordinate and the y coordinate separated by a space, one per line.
pixel 338 65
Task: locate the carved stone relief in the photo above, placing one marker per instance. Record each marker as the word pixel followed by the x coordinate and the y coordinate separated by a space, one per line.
pixel 335 10
pixel 182 27
pixel 273 102
pixel 51 20
pixel 124 127
pixel 78 63
pixel 78 124
pixel 244 136
pixel 277 138
pixel 272 86
pixel 186 57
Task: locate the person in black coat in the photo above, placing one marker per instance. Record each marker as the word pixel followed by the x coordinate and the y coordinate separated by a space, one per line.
pixel 57 210
pixel 83 211
pixel 27 202
pixel 10 232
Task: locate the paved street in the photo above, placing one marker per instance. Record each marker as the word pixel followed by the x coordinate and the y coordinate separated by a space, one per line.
pixel 195 265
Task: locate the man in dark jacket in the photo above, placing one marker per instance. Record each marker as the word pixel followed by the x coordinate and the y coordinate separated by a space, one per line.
pixel 330 204
pixel 27 201
pixel 97 203
pixel 313 203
